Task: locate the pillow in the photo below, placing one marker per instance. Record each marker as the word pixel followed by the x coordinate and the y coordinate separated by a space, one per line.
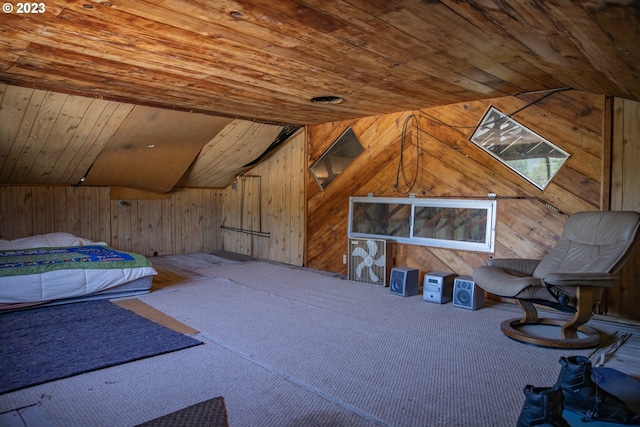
pixel 45 240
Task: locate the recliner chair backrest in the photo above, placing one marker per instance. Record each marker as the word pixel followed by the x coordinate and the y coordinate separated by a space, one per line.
pixel 592 242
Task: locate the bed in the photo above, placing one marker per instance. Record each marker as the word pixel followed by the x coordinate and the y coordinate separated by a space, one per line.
pixel 57 268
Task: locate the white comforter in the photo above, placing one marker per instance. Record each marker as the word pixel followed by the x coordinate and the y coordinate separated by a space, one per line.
pixel 61 284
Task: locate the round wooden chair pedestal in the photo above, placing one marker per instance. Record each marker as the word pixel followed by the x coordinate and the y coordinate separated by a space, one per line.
pixel 510 329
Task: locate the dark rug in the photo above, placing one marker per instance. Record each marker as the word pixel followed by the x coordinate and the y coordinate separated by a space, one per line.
pixel 51 343
pixel 210 413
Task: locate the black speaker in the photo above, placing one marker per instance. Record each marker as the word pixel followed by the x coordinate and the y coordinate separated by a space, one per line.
pixel 466 294
pixel 404 281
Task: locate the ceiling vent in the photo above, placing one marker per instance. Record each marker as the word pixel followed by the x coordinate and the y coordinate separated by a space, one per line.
pixel 327 99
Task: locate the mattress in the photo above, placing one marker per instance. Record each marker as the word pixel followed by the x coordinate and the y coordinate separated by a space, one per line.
pixel 39 269
pixel 130 289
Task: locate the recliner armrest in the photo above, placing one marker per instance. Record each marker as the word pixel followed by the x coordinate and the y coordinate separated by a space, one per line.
pixel 525 267
pixel 581 279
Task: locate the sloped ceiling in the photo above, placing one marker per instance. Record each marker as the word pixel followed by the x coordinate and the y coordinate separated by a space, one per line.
pixel 222 158
pixel 52 138
pixel 262 61
pixel 153 148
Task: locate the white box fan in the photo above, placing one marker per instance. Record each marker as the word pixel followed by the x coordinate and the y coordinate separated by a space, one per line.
pixel 369 261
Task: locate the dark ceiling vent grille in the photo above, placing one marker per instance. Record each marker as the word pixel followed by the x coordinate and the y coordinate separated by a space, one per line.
pixel 327 99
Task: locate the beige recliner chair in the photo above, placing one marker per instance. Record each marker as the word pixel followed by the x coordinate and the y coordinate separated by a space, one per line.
pixel 572 277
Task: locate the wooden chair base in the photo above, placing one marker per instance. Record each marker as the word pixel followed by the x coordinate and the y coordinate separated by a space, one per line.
pixel 510 329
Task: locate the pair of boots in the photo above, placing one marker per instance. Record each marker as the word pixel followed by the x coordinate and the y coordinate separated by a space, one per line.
pixel 575 391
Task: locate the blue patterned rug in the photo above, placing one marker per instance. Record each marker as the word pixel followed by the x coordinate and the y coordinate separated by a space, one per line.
pixel 51 343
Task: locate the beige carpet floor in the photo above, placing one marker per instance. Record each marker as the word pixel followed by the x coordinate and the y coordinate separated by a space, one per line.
pixel 293 347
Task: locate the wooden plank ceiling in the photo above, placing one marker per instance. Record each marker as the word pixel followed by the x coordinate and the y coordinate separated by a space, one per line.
pixel 263 61
pixel 136 155
pixel 53 138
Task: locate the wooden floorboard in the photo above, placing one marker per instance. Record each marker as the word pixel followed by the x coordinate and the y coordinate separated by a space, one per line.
pixel 627 357
pixel 183 268
pixel 151 313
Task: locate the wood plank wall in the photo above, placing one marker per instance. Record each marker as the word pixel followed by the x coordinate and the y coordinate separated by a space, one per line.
pixel 187 220
pixel 269 197
pixel 27 210
pixel 625 195
pixel 529 220
pixel 264 210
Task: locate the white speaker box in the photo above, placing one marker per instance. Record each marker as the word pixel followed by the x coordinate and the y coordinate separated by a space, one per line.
pixel 404 281
pixel 466 294
pixel 438 287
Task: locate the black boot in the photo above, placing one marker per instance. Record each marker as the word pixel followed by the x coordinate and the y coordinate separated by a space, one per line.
pixel 583 396
pixel 542 407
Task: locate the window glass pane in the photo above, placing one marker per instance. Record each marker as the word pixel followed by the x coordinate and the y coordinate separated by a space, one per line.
pixel 463 224
pixel 519 148
pixel 386 219
pixel 444 223
pixel 336 159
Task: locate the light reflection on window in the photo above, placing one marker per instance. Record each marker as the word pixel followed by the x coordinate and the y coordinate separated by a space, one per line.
pixel 524 151
pixel 466 224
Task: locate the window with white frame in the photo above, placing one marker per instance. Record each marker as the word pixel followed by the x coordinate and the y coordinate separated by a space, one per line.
pixel 466 224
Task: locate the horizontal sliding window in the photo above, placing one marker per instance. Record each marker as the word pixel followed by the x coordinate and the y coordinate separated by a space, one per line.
pixel 382 219
pixel 464 224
